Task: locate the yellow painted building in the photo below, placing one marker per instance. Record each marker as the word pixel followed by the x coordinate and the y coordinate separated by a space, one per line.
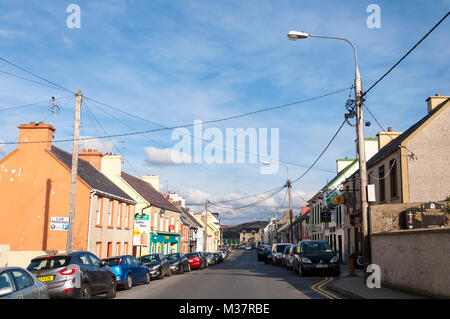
pixel 213 230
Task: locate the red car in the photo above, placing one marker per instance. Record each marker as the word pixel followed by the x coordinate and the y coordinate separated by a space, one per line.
pixel 196 260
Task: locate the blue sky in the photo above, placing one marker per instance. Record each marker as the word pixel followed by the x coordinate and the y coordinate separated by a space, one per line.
pixel 173 62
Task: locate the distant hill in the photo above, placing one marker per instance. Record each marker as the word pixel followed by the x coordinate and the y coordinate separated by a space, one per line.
pixel 232 232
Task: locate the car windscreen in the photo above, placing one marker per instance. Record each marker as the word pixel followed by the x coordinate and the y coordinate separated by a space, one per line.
pixel 173 257
pixel 50 262
pixel 280 248
pixel 112 261
pixel 315 247
pixel 191 255
pixel 148 258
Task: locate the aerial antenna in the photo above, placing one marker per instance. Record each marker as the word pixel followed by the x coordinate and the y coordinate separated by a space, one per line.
pixel 54 106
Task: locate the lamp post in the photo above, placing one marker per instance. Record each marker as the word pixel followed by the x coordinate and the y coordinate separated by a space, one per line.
pixel 296 35
pixel 289 186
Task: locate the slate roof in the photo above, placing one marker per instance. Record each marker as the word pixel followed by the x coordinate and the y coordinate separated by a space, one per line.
pixel 92 176
pixel 148 192
pixel 192 219
pixel 393 145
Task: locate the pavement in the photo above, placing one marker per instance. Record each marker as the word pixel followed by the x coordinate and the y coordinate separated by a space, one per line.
pixel 355 287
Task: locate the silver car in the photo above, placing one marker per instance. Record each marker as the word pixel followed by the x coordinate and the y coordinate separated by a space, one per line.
pixel 19 283
pixel 290 258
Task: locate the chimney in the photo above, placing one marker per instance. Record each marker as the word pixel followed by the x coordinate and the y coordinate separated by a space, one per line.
pixel 93 156
pixel 35 132
pixel 152 180
pixel 342 163
pixel 112 164
pixel 385 137
pixel 434 101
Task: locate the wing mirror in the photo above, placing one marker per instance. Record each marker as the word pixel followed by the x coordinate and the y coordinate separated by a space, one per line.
pixel 6 291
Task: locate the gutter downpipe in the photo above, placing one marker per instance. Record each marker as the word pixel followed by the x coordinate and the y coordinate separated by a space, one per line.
pixel 93 192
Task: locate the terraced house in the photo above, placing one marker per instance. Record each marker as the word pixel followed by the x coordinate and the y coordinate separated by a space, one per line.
pixel 34 204
pixel 160 217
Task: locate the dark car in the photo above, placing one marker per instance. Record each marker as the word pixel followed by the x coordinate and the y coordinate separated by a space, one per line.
pixel 178 263
pixel 157 264
pixel 277 253
pixel 268 259
pixel 219 257
pixel 261 253
pixel 315 256
pixel 79 274
pixel 128 270
pixel 286 255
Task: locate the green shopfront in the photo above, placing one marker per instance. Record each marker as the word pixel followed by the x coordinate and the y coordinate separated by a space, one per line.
pixel 165 242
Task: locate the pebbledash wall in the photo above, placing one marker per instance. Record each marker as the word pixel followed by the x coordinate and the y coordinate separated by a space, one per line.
pixel 414 260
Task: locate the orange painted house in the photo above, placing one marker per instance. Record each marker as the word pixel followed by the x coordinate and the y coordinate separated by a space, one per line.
pixel 34 190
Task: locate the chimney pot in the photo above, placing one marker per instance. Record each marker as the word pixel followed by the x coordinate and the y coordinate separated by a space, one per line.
pixel 389 129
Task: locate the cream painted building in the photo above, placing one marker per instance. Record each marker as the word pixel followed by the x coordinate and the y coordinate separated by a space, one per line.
pixel 213 230
pixel 162 218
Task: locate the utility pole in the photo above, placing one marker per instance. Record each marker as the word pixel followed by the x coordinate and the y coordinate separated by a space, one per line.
pixel 290 211
pixel 73 178
pixel 205 234
pixel 362 169
pixel 276 225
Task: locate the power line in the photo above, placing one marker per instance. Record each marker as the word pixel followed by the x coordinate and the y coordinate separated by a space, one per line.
pixel 30 104
pixel 26 79
pixel 399 61
pixel 317 159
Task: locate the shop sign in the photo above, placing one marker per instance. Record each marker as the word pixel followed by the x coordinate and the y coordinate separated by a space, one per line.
pixel 141 232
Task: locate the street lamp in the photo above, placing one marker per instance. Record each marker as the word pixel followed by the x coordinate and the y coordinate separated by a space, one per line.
pixel 289 186
pixel 296 35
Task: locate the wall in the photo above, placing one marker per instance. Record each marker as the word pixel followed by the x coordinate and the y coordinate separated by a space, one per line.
pixel 429 176
pixel 414 260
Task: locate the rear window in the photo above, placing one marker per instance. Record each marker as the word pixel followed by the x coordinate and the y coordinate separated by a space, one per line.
pixel 315 247
pixel 280 248
pixel 173 256
pixel 191 255
pixel 149 258
pixel 45 263
pixel 112 261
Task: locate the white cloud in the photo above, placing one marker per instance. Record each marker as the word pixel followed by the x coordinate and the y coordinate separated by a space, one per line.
pixel 95 143
pixel 166 156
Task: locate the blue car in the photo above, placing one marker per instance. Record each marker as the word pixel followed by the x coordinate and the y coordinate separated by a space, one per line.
pixel 128 270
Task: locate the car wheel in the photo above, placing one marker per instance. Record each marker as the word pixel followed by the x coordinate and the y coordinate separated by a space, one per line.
pixel 181 269
pixel 302 272
pixel 112 289
pixel 129 282
pixel 189 268
pixel 161 274
pixel 169 273
pixel 85 291
pixel 295 270
pixel 147 278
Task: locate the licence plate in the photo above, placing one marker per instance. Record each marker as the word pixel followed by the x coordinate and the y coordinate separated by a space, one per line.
pixel 46 278
pixel 321 266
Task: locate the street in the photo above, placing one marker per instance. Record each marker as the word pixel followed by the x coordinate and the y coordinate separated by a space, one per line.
pixel 240 276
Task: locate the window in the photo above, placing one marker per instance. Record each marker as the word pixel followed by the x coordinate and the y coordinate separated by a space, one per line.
pixel 127 217
pixel 393 178
pixel 84 259
pixel 109 251
pixel 125 248
pixel 6 281
pixel 99 249
pixel 99 213
pixel 381 183
pixel 370 178
pixel 119 216
pixel 95 261
pixel 118 249
pixel 110 213
pixel 22 279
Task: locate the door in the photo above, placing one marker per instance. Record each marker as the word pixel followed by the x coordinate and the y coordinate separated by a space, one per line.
pixel 102 272
pixel 89 270
pixel 7 282
pixel 25 284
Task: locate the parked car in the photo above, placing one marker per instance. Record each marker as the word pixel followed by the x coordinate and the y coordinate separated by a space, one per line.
pixel 315 256
pixel 268 259
pixel 277 253
pixel 196 260
pixel 79 274
pixel 224 253
pixel 19 283
pixel 261 253
pixel 248 247
pixel 157 264
pixel 178 263
pixel 210 259
pixel 128 270
pixel 285 255
pixel 219 257
pixel 290 260
pixel 202 254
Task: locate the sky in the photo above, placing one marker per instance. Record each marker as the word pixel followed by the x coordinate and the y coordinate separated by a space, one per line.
pixel 176 62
